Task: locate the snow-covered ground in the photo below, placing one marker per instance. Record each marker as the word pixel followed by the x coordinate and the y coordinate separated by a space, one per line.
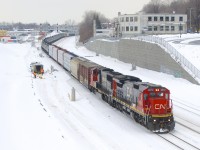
pixel 188 45
pixel 36 114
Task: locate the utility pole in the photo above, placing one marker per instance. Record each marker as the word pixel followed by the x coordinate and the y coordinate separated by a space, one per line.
pixel 94 28
pixel 180 28
pixel 190 17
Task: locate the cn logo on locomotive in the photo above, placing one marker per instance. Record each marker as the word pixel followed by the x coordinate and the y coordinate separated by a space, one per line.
pixel 159 106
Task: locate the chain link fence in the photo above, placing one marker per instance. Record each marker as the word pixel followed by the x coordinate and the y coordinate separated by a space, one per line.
pixel 179 58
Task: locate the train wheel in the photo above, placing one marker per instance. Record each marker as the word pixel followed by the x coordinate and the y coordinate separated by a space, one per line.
pixel 103 96
pixel 106 98
pixel 111 102
pixel 136 117
pixel 116 105
pixel 132 115
pixel 90 88
pixel 120 107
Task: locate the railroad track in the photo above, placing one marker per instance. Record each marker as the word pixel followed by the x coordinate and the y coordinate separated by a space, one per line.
pixel 189 108
pixel 190 128
pixel 190 111
pixel 189 125
pixel 178 142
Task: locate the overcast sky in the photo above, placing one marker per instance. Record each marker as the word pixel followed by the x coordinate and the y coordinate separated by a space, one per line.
pixel 59 11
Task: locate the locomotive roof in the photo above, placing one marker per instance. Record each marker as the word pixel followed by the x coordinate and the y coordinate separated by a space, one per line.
pixel 148 85
pixel 123 78
pixel 113 73
pixel 132 78
pixel 106 69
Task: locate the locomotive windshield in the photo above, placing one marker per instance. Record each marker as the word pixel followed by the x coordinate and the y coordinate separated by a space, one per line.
pixel 156 95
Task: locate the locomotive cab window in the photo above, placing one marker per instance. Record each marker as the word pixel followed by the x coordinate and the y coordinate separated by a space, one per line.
pixel 166 96
pixel 145 96
pixel 152 94
pixel 160 94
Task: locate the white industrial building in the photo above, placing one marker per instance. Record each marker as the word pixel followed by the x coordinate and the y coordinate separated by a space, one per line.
pixel 134 24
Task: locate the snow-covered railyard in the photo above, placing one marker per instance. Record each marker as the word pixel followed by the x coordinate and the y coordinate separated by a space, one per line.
pixel 37 113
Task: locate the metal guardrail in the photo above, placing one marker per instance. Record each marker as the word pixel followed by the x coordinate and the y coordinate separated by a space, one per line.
pixel 179 58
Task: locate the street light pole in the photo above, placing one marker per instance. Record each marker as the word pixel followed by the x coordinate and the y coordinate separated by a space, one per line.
pixel 190 18
pixel 180 29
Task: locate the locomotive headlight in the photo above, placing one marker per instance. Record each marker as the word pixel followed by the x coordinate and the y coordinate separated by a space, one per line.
pixel 154 120
pixel 169 119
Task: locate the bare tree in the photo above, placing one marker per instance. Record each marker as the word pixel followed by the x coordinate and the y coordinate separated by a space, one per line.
pixel 195 6
pixel 86 26
pixel 166 6
pixel 70 22
pixel 152 7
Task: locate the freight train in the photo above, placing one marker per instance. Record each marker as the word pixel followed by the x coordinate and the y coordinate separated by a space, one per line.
pixel 147 103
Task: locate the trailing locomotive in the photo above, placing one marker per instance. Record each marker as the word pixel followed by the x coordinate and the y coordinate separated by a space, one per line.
pixel 148 104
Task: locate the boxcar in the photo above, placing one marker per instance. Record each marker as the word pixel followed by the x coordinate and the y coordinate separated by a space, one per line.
pixel 51 51
pixel 55 53
pixel 85 72
pixel 67 58
pixel 74 66
pixel 61 57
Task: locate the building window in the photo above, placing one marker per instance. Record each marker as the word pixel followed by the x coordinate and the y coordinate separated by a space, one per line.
pixel 149 28
pixel 136 28
pixel 122 19
pixel 131 19
pixel 122 28
pixel 161 28
pixel 180 18
pixel 127 28
pixel 172 19
pixel 172 28
pixel 131 28
pixel 149 19
pixel 166 28
pixel 127 19
pixel 166 18
pixel 135 19
pixel 155 28
pixel 161 18
pixel 155 18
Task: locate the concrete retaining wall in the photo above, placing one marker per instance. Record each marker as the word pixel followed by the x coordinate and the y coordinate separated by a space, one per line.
pixel 142 54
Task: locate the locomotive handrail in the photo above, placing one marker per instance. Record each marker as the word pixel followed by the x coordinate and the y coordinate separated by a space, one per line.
pixel 179 58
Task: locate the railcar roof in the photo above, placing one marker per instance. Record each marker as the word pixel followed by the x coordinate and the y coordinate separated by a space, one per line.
pixel 89 64
pixel 114 73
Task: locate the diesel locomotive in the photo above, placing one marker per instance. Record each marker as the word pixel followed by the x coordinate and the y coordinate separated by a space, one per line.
pixel 147 103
